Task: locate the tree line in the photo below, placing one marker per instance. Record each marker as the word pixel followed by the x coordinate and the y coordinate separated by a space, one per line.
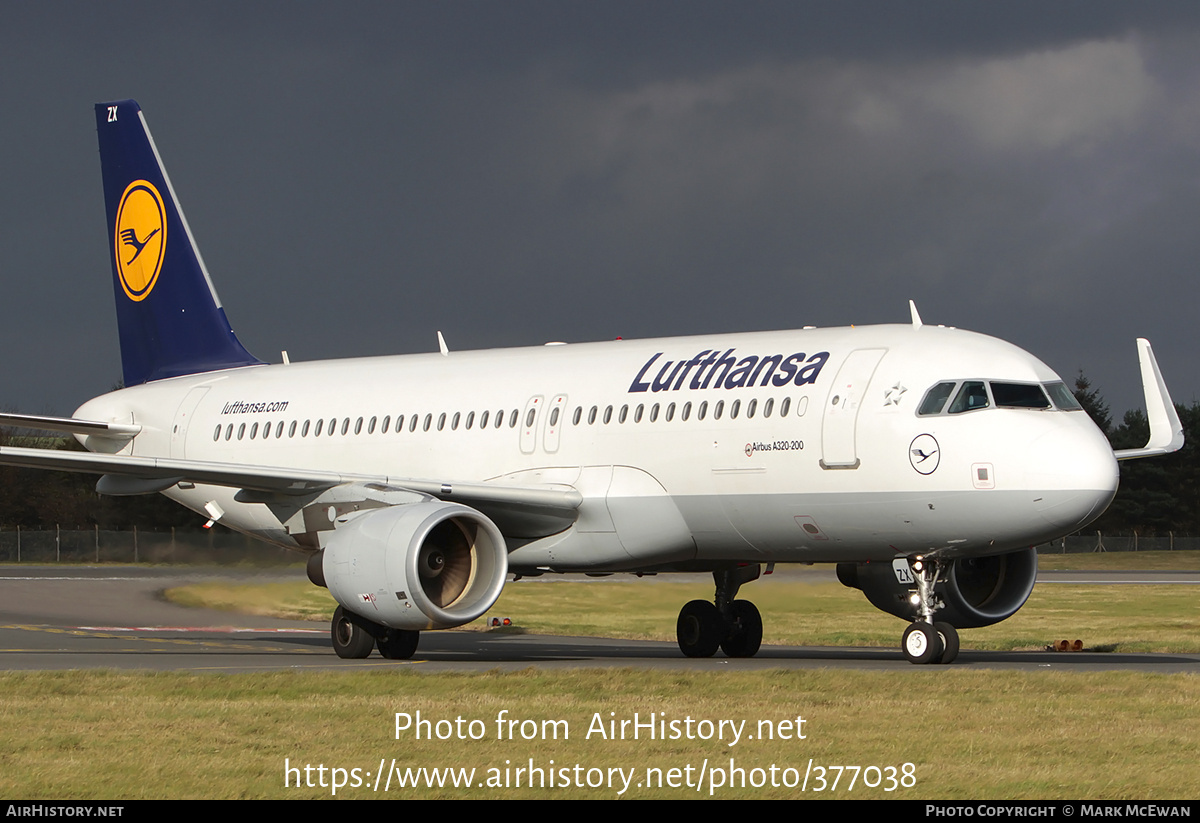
pixel 1158 495
pixel 38 499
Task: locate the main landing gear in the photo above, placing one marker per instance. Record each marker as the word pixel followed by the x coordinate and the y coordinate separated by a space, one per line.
pixel 926 641
pixel 734 626
pixel 354 637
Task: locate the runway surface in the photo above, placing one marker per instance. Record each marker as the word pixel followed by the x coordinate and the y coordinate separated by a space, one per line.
pixel 73 617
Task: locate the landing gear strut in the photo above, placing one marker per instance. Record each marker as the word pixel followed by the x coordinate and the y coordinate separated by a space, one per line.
pixel 734 626
pixel 926 641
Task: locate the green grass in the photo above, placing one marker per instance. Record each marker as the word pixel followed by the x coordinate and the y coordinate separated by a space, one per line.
pixel 1121 561
pixel 1123 618
pixel 969 734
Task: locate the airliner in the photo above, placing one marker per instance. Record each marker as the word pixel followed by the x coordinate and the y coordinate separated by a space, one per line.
pixel 924 461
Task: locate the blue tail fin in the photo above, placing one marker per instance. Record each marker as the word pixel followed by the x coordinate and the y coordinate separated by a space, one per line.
pixel 170 318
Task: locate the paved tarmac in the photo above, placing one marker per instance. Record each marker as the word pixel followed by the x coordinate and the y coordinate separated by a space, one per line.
pixel 75 617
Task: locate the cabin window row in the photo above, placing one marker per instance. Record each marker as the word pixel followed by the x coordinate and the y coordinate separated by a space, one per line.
pixel 346 425
pixel 686 411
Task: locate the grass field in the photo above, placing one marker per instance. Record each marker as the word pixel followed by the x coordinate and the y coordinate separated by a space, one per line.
pixel 1123 618
pixel 967 734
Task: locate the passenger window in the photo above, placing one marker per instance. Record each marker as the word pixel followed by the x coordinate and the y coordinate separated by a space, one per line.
pixel 455 420
pixel 371 425
pixel 687 411
pixel 654 413
pixel 768 406
pixel 254 431
pixel 317 430
pixel 470 419
pixel 703 410
pixel 592 415
pixel 935 399
pixel 483 418
pixel 607 415
pixel 241 431
pixel 512 419
pixel 637 413
pixel 292 429
pixel 624 414
pixel 972 396
pixel 718 409
pixel 785 407
pixel 304 429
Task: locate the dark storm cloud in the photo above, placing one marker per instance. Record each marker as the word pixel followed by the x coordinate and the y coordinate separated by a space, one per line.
pixel 359 176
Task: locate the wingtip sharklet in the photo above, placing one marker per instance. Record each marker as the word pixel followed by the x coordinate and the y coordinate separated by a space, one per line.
pixel 1166 430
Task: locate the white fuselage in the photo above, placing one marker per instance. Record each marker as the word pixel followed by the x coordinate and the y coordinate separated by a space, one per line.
pixel 824 458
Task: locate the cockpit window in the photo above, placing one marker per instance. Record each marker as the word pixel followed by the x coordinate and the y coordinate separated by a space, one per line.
pixel 1062 397
pixel 935 398
pixel 972 395
pixel 1019 396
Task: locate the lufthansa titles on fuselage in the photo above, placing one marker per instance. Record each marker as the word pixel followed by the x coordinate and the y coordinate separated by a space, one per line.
pixel 714 370
pixel 242 407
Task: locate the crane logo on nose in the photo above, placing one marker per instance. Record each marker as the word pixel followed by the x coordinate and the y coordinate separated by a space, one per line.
pixel 924 453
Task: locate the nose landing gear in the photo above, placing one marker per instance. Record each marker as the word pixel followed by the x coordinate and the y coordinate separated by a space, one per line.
pixel 926 641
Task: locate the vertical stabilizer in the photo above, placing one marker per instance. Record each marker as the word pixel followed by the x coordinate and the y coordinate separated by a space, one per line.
pixel 170 318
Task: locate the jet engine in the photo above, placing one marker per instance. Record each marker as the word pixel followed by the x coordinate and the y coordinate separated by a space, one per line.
pixel 427 565
pixel 977 591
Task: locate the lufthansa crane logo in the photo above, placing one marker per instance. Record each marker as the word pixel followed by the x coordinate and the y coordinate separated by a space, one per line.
pixel 924 453
pixel 140 239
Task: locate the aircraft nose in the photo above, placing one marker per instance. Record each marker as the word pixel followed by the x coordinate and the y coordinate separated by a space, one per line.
pixel 1074 475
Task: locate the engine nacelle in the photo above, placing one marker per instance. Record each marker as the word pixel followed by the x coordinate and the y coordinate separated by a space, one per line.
pixel 428 565
pixel 978 591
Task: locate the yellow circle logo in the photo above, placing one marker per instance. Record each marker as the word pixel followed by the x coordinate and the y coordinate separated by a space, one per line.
pixel 140 238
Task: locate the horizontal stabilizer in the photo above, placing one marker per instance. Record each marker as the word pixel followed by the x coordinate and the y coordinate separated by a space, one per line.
pixel 69 425
pixel 1166 432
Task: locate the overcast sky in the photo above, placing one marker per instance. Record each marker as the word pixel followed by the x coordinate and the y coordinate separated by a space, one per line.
pixel 361 175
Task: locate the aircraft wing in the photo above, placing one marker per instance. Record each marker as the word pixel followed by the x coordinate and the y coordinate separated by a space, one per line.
pixel 1166 432
pixel 123 474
